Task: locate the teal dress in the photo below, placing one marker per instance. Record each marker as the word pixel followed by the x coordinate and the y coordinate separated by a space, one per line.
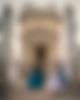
pixel 35 79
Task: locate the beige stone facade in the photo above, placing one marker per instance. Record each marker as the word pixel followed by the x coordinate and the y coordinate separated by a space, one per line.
pixel 37 29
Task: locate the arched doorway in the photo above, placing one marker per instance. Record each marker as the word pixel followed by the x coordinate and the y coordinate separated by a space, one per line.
pixel 41 35
pixel 40 39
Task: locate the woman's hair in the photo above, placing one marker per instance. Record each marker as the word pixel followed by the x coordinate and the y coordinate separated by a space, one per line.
pixel 40 57
pixel 40 53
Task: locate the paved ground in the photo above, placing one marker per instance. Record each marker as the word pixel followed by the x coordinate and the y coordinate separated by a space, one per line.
pixel 43 95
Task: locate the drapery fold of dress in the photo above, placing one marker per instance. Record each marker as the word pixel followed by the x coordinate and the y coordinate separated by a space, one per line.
pixel 35 79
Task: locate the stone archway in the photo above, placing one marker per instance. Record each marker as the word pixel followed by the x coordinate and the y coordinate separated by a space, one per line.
pixel 41 31
pixel 38 29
